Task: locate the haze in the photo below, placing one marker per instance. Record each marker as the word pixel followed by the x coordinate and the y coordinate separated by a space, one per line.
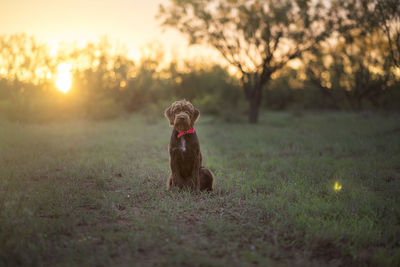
pixel 128 22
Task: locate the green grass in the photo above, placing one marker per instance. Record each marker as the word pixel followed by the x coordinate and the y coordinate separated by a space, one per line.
pixel 93 193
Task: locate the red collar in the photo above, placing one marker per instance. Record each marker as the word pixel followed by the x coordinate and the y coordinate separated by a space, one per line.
pixel 190 131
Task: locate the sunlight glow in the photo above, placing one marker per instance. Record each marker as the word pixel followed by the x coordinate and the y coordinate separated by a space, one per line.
pixel 64 77
pixel 337 187
pixel 3 71
pixel 54 50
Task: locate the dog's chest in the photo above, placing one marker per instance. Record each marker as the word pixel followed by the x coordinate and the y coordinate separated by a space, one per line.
pixel 183 144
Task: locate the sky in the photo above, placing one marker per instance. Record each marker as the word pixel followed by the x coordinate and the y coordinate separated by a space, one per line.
pixel 128 22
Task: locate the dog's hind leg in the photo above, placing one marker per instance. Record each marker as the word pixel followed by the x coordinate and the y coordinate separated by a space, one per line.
pixel 206 179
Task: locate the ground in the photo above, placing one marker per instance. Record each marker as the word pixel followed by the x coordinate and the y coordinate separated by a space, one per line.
pixel 93 193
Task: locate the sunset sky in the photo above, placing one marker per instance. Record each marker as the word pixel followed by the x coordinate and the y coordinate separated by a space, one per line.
pixel 129 22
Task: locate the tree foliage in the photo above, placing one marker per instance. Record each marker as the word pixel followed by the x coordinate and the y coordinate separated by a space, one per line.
pixel 356 67
pixel 384 15
pixel 24 58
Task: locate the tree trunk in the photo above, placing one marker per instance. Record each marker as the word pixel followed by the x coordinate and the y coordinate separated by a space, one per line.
pixel 252 85
pixel 254 104
pixel 253 113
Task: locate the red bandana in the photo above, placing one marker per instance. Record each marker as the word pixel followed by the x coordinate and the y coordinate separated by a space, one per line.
pixel 190 131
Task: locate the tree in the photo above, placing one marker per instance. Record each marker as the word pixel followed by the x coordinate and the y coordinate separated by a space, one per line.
pixel 368 15
pixel 257 37
pixel 357 62
pixel 356 68
pixel 24 58
pixel 387 13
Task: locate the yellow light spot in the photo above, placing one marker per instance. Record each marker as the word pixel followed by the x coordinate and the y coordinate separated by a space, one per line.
pixel 178 79
pixel 122 84
pixel 48 75
pixel 337 187
pixel 64 77
pixel 96 63
pixel 54 50
pixel 396 72
pixel 3 71
pixel 302 76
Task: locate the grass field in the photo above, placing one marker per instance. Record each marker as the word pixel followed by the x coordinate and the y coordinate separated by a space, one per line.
pixel 93 193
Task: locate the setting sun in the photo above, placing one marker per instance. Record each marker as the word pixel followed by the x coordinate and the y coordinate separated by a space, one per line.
pixel 64 77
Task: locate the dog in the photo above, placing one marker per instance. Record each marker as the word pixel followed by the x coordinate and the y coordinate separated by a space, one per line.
pixel 184 149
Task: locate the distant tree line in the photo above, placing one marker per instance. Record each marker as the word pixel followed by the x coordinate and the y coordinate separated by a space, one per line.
pixel 334 55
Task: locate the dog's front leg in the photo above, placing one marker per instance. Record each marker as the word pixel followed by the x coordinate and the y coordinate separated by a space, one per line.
pixel 196 171
pixel 175 178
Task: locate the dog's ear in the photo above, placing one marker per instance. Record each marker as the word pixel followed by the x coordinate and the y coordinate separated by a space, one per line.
pixel 196 115
pixel 168 114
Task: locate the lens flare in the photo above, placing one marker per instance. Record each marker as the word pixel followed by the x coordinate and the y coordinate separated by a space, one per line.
pixel 64 77
pixel 337 187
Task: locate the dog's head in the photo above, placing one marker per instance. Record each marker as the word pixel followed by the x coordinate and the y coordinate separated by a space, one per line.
pixel 182 115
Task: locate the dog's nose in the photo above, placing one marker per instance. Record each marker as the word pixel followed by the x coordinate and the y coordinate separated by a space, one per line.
pixel 181 117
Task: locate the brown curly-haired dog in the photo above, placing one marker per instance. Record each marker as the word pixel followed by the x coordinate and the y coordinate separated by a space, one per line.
pixel 184 149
